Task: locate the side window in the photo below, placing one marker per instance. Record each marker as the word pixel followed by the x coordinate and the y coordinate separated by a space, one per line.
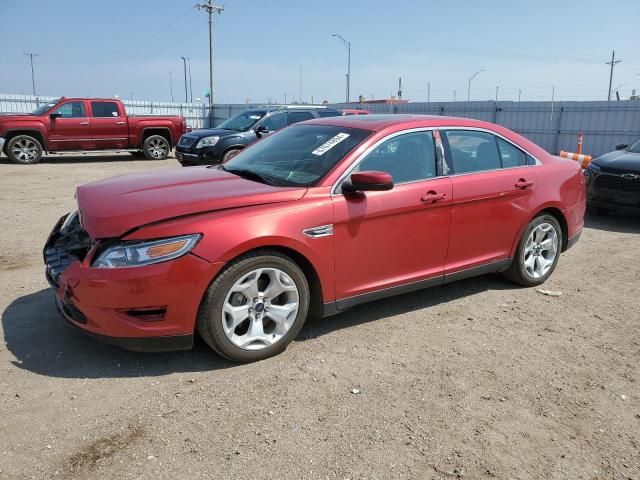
pixel 295 117
pixel 511 155
pixel 328 113
pixel 71 110
pixel 275 122
pixel 471 151
pixel 408 158
pixel 105 109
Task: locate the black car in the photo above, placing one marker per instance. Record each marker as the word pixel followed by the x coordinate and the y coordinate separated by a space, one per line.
pixel 215 145
pixel 613 181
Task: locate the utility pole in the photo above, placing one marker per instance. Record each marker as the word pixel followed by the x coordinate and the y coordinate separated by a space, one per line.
pixel 428 92
pixel 519 94
pixel 186 90
pixel 190 84
pixel 171 85
pixel 300 85
pixel 454 96
pixel 497 92
pixel 33 76
pixel 210 8
pixel 613 63
pixel 470 79
pixel 400 88
pixel 348 45
pixel 285 99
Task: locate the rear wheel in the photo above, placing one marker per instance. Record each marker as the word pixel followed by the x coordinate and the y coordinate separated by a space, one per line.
pixel 255 307
pixel 538 252
pixel 156 147
pixel 24 149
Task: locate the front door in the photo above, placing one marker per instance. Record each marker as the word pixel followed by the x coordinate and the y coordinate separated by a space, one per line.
pixel 70 127
pixel 396 237
pixel 108 125
pixel 493 185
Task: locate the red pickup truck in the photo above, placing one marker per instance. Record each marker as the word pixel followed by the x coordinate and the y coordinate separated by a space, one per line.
pixel 78 124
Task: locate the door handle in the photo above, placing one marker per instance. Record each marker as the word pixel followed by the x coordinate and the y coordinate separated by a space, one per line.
pixel 119 123
pixel 432 197
pixel 522 184
pixel 83 123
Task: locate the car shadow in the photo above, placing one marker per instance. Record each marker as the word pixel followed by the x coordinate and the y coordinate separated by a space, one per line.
pixel 402 304
pixel 75 158
pixel 42 343
pixel 613 222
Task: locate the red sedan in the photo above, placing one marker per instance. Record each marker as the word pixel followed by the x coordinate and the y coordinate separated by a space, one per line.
pixel 312 220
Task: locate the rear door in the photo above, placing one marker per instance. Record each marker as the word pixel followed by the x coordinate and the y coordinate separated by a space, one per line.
pixel 109 127
pixel 493 187
pixel 71 128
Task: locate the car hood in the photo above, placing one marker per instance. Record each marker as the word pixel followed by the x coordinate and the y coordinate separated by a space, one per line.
pixel 110 208
pixel 620 160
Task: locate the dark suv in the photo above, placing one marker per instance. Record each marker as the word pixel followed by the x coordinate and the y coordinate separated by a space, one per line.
pixel 216 145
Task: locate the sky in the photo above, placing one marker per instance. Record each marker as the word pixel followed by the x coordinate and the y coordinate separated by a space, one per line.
pixel 127 48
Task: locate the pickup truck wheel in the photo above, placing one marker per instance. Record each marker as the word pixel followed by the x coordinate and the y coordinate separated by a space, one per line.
pixel 156 147
pixel 24 150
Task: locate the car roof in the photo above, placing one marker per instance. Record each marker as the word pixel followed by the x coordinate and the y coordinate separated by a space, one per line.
pixel 377 122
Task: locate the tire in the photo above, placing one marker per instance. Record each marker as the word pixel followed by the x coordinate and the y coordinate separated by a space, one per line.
pixel 24 150
pixel 245 337
pixel 229 154
pixel 528 270
pixel 156 147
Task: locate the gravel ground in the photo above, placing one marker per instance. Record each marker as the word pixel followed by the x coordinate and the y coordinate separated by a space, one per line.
pixel 477 379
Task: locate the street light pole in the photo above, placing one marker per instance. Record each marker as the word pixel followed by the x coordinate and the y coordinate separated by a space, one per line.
pixel 186 90
pixel 190 84
pixel 348 45
pixel 470 79
pixel 171 85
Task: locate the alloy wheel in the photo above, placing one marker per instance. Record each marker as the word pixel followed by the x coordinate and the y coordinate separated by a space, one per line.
pixel 25 150
pixel 540 250
pixel 158 148
pixel 260 308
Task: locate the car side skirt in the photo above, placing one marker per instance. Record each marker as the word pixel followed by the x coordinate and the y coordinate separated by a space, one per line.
pixel 339 306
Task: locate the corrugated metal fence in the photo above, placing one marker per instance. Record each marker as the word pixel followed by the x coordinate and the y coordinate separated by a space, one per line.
pixel 553 126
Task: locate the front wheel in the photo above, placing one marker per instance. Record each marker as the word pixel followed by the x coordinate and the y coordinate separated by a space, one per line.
pixel 255 307
pixel 228 155
pixel 24 149
pixel 156 147
pixel 538 252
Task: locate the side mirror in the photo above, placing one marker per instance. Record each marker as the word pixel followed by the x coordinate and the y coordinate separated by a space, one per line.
pixel 368 182
pixel 621 146
pixel 53 116
pixel 261 130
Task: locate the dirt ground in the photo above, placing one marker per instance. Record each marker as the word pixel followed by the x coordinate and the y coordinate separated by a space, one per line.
pixel 476 379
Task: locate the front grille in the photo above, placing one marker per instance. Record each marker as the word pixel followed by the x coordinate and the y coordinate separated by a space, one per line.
pixel 187 141
pixel 618 183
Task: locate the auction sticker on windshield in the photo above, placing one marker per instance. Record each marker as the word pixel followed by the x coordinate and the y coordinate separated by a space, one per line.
pixel 329 144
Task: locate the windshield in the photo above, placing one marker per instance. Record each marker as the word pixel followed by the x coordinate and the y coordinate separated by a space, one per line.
pixel 43 108
pixel 634 147
pixel 242 122
pixel 300 155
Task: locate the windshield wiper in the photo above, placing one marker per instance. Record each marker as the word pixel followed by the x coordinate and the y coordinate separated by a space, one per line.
pixel 251 175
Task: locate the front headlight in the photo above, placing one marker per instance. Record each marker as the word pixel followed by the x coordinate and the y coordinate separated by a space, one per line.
pixel 207 142
pixel 134 254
